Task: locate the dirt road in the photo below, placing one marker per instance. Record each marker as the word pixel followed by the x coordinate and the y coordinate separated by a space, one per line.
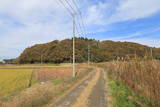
pixel 89 93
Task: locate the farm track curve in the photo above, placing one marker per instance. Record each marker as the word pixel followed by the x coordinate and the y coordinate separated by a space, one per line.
pixel 89 93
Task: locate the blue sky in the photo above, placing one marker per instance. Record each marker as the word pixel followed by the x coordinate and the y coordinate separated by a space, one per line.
pixel 24 23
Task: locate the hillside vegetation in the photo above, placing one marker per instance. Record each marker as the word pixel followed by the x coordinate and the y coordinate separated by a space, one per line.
pixel 100 51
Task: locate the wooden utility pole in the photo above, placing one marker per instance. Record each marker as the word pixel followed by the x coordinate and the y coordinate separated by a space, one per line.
pixel 74 27
pixel 151 53
pixel 41 58
pixel 88 54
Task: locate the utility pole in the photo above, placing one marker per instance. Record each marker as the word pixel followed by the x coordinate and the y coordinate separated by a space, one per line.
pixel 151 53
pixel 88 54
pixel 74 27
pixel 41 58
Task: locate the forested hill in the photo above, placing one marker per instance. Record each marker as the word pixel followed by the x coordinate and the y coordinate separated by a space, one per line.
pixel 61 51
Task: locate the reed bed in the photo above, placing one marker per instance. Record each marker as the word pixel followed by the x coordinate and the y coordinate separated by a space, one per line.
pixel 142 77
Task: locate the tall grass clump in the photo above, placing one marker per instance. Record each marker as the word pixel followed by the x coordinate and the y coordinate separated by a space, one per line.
pixel 142 77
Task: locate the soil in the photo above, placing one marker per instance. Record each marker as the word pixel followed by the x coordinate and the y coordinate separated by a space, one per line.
pixel 89 93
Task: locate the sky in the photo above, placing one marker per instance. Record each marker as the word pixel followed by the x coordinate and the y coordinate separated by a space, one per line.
pixel 24 23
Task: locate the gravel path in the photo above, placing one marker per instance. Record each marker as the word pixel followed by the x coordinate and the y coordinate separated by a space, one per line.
pixel 89 93
pixel 71 97
pixel 97 97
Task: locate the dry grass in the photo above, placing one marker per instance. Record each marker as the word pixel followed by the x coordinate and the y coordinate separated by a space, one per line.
pixel 33 97
pixel 12 80
pixel 142 77
pixel 46 74
pixel 109 92
pixel 41 94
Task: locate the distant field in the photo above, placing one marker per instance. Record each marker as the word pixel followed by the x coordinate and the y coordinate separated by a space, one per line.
pixel 12 80
pixel 32 66
pixel 17 77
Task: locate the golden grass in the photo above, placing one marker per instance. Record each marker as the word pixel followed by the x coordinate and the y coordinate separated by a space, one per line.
pixel 42 94
pixel 17 77
pixel 142 77
pixel 12 80
pixel 32 66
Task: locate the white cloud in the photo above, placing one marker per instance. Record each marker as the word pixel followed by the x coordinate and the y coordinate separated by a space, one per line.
pixel 45 20
pixel 140 37
pixel 109 12
pixel 42 21
pixel 27 36
pixel 135 9
pixel 136 34
pixel 24 10
pixel 96 13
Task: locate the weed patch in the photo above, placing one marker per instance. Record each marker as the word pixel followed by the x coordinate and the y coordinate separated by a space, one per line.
pixel 121 95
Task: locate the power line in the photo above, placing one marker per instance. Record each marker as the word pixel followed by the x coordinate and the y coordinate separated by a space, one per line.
pixel 74 11
pixel 78 32
pixel 73 14
pixel 68 10
pixel 67 5
pixel 83 24
pixel 80 27
pixel 84 28
pixel 80 14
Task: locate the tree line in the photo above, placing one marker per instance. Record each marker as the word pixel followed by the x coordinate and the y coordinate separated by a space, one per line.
pixel 100 51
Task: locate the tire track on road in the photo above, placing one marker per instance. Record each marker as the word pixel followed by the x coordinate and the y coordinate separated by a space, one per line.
pixel 91 92
pixel 98 95
pixel 82 100
pixel 71 97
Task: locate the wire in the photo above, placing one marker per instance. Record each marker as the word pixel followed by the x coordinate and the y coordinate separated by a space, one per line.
pixel 78 33
pixel 80 14
pixel 68 10
pixel 71 10
pixel 77 13
pixel 77 7
pixel 83 24
pixel 80 27
pixel 74 11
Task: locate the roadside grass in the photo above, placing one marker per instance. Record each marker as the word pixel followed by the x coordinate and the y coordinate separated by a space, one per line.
pixel 12 80
pixel 58 81
pixel 141 77
pixel 121 94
